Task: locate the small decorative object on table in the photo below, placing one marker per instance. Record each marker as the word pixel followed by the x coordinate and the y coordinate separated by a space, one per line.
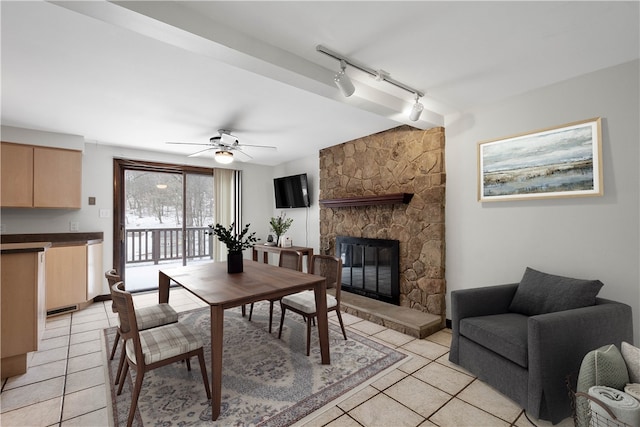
pixel 279 225
pixel 235 243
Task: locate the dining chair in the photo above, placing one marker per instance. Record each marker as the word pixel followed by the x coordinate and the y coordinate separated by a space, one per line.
pixel 152 348
pixel 147 318
pixel 304 303
pixel 288 259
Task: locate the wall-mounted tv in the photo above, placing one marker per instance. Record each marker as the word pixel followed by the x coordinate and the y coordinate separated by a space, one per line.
pixel 291 191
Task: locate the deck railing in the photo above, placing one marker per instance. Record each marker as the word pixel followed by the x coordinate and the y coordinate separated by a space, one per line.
pixel 163 244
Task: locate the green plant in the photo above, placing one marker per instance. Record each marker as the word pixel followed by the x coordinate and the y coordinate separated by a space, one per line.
pixel 280 224
pixel 234 242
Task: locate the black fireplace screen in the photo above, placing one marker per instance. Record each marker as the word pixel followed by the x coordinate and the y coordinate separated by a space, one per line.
pixel 370 267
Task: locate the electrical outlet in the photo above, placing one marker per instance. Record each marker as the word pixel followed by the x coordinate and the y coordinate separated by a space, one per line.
pixel 74 226
pixel 105 213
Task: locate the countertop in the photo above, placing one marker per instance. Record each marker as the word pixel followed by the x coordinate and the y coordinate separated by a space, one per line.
pixel 55 239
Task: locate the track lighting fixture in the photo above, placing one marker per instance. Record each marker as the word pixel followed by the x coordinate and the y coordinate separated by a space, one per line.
pixel 416 110
pixel 343 81
pixel 347 88
pixel 223 156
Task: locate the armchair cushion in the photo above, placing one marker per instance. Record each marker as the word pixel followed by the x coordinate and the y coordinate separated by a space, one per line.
pixel 505 334
pixel 540 293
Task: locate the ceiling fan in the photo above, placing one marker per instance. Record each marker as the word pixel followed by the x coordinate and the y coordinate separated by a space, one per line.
pixel 224 145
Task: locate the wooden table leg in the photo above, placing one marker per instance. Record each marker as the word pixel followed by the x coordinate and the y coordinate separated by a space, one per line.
pixel 323 323
pixel 163 287
pixel 217 323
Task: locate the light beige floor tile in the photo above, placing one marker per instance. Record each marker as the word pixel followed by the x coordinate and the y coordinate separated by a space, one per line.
pixel 99 418
pixel 457 413
pixel 51 343
pixel 56 332
pixel 37 373
pixel 96 309
pixel 414 363
pixel 425 348
pixel 84 379
pixel 78 320
pixel 359 397
pixel 483 396
pixel 368 328
pixel 381 410
pixel 89 326
pixel 349 319
pixel 441 337
pixel 58 322
pixel 389 379
pixel 522 421
pixel 444 378
pixel 85 348
pixel 444 360
pixel 32 393
pixel 86 336
pixel 48 356
pixel 394 337
pixel 418 396
pixel 84 402
pixel 344 421
pixel 44 413
pixel 325 417
pixel 86 361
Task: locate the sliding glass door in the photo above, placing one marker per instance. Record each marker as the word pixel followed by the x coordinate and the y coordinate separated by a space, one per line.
pixel 161 221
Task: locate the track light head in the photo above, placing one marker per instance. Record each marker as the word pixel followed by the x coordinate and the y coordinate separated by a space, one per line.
pixel 343 81
pixel 416 110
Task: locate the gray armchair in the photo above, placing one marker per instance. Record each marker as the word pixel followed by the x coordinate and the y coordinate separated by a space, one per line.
pixel 528 357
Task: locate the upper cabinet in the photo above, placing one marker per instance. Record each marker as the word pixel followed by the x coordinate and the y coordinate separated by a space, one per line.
pixel 40 177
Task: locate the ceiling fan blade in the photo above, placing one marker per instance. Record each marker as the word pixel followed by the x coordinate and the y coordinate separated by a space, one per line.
pixel 271 147
pixel 244 154
pixel 197 153
pixel 188 143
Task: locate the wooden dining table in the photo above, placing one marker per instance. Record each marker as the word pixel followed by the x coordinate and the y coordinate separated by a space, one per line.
pixel 212 284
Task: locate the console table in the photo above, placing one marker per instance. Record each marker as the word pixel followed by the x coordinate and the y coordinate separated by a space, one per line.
pixel 265 249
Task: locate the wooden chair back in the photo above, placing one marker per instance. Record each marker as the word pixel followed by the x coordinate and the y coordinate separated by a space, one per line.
pixel 112 278
pixel 123 302
pixel 329 267
pixel 291 259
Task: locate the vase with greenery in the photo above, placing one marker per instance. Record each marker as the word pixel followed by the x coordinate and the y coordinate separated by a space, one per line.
pixel 235 243
pixel 279 225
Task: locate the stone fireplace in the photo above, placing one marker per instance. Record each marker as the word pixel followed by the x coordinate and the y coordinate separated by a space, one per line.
pixel 365 173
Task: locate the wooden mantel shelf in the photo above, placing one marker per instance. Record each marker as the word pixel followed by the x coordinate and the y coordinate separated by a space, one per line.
pixel 386 199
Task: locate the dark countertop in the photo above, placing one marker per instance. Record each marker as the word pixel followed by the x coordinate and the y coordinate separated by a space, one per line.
pixel 56 239
pixel 16 248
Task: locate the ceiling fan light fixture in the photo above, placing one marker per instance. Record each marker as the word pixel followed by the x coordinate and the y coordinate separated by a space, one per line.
pixel 224 157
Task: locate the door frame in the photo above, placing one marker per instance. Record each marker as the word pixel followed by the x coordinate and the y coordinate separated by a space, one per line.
pixel 119 167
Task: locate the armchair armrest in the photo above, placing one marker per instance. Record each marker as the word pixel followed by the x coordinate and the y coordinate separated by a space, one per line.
pixel 477 302
pixel 557 343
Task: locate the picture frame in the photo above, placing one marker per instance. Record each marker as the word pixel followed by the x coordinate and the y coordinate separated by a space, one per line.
pixel 561 161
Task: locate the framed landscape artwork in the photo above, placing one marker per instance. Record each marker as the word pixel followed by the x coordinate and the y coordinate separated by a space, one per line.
pixel 564 161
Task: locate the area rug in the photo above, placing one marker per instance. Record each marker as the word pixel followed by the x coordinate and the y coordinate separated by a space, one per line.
pixel 266 381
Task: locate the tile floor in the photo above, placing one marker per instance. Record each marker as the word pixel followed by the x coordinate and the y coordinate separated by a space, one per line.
pixel 65 383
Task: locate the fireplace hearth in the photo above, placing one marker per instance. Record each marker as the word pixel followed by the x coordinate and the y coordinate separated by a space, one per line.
pixel 370 267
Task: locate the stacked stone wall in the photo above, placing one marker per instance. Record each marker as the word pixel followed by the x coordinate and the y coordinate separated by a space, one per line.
pixel 400 160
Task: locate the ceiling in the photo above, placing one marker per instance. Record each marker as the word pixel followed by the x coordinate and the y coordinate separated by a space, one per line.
pixel 141 74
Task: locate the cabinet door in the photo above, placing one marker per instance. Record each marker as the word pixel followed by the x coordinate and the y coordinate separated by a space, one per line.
pixel 19 303
pixel 66 276
pixel 57 178
pixel 16 175
pixel 95 275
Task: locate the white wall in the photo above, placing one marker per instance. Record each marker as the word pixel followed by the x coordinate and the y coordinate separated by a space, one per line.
pixel 97 181
pixel 592 237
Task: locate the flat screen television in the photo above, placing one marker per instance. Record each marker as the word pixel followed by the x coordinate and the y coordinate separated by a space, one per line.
pixel 291 191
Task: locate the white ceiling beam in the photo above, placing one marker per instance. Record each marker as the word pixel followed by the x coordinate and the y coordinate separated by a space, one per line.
pixel 176 25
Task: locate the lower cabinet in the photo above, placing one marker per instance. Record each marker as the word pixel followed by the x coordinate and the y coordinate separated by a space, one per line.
pixel 73 275
pixel 23 312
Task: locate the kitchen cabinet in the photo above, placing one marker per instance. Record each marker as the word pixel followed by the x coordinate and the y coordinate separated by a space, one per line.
pixel 40 177
pixel 22 292
pixel 74 275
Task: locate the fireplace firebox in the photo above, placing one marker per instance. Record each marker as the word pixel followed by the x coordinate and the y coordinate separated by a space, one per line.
pixel 370 267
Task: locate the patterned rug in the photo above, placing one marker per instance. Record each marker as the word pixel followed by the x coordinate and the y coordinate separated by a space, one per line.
pixel 266 381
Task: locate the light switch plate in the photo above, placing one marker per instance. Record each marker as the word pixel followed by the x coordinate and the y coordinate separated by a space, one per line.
pixel 74 226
